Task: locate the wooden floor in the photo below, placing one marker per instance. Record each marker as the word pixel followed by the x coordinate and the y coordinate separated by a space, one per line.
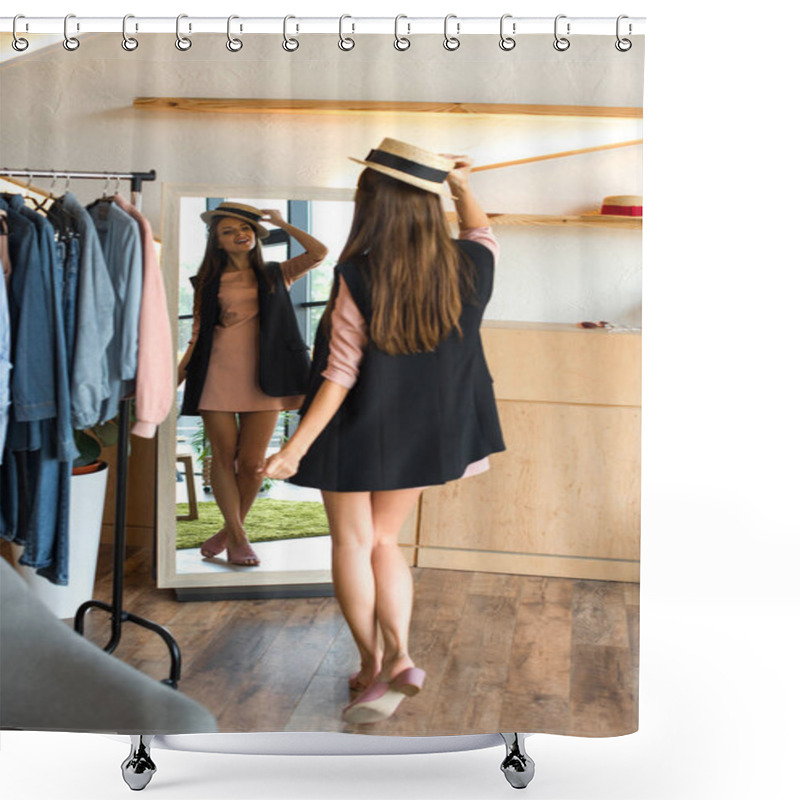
pixel 502 653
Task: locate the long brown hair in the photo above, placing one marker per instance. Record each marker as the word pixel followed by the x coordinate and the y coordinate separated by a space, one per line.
pixel 414 269
pixel 215 259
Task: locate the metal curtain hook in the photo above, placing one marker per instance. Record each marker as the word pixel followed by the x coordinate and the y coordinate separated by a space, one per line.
pixel 182 42
pixel 19 44
pixel 623 45
pixel 561 43
pixel 290 44
pixel 70 42
pixel 345 42
pixel 128 42
pixel 451 42
pixel 400 42
pixel 507 42
pixel 234 45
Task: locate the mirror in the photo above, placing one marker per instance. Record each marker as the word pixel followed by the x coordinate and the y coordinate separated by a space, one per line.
pixel 286 524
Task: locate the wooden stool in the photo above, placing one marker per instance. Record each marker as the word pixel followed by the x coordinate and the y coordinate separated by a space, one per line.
pixel 188 468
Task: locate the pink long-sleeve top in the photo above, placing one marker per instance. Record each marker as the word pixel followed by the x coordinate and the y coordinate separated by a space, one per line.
pixel 349 336
pixel 155 387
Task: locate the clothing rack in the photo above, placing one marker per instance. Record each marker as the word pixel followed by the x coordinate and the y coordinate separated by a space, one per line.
pixel 115 609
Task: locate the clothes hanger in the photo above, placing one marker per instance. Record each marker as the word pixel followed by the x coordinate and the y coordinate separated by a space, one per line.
pixel 106 198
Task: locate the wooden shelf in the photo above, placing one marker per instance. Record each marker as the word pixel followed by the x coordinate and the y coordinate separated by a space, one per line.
pixel 583 220
pixel 263 106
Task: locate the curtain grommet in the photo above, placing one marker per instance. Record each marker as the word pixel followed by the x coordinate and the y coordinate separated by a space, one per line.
pixel 233 44
pixel 346 43
pixel 451 43
pixel 129 43
pixel 507 43
pixel 401 43
pixel 289 44
pixel 623 45
pixel 561 43
pixel 19 43
pixel 70 42
pixel 183 43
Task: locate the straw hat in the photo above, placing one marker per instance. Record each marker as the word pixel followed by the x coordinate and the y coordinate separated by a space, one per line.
pixel 238 211
pixel 410 164
pixel 622 205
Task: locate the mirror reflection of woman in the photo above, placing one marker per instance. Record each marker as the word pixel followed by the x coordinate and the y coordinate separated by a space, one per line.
pixel 246 361
pixel 401 397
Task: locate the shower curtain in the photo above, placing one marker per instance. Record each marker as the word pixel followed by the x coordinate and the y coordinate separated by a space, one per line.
pixel 524 576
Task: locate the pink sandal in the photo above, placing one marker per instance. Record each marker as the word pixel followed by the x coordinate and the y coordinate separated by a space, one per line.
pixel 381 699
pixel 356 685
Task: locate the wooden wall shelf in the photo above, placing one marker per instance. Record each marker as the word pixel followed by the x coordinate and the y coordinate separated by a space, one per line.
pixel 258 106
pixel 584 220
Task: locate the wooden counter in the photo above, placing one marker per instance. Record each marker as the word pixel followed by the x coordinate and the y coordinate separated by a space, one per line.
pixel 563 500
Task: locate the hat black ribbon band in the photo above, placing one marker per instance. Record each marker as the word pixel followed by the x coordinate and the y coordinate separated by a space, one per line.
pixel 237 212
pixel 404 165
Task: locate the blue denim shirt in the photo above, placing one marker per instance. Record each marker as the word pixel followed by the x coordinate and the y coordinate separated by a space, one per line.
pixel 94 324
pixel 51 349
pixel 122 249
pixel 5 361
pixel 33 387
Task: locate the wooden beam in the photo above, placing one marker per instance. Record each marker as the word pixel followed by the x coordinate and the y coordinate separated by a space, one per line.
pixel 592 220
pixel 227 105
pixel 562 154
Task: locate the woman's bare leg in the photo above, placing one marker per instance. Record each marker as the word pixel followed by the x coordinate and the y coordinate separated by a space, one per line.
pixel 394 590
pixel 255 431
pixel 352 536
pixel 223 434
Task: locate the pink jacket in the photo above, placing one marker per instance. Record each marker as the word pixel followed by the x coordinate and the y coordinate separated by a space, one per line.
pixel 155 385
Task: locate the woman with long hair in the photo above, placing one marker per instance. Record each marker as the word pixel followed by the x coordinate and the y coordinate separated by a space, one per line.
pixel 401 397
pixel 246 361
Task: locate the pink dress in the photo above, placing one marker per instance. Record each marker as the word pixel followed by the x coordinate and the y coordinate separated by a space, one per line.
pixel 349 335
pixel 232 379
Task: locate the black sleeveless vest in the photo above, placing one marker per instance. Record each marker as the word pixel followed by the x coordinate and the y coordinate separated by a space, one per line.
pixel 410 420
pixel 284 365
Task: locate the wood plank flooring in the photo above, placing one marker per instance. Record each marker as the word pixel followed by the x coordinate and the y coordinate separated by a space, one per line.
pixel 502 653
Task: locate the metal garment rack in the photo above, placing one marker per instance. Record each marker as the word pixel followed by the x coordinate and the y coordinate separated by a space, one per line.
pixel 115 609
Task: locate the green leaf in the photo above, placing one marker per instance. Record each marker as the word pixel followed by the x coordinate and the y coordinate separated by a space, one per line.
pixel 89 449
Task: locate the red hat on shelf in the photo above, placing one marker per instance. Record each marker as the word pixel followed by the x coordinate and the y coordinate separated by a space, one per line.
pixel 622 205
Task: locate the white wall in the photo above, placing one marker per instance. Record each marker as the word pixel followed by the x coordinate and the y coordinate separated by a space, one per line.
pixel 85 121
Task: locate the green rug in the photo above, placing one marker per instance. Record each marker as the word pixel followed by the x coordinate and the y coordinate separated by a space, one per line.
pixel 268 520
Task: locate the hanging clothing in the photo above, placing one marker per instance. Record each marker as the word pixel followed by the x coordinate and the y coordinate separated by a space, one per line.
pixel 40 448
pixel 248 341
pixel 53 356
pixel 5 331
pixel 155 384
pixel 121 243
pixel 409 420
pixel 94 321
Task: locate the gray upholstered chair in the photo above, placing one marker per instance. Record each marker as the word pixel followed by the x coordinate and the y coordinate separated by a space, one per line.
pixel 51 678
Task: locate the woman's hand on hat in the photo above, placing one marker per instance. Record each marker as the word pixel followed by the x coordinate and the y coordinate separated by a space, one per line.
pixel 273 216
pixel 281 465
pixel 458 177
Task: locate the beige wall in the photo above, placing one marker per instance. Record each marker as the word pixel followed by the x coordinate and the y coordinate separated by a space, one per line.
pixel 557 275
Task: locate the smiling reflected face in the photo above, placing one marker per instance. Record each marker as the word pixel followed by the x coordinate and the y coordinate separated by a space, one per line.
pixel 235 236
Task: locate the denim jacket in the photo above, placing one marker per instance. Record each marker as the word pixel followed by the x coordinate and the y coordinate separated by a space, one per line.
pixel 94 325
pixel 48 340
